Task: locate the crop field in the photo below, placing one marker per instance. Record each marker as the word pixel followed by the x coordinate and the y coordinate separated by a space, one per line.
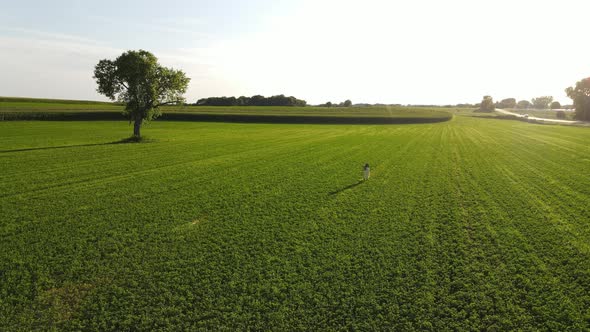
pixel 48 109
pixel 468 224
pixel 48 105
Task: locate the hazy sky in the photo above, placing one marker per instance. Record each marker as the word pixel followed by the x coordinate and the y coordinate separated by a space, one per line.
pixel 419 51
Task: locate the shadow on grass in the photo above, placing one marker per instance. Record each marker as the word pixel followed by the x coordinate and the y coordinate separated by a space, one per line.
pixel 350 186
pixel 128 140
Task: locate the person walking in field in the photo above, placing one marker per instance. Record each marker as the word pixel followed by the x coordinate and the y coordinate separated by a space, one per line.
pixel 366 172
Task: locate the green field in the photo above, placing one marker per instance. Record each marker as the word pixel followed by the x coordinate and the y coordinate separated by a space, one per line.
pixel 469 224
pixel 47 109
pixel 45 105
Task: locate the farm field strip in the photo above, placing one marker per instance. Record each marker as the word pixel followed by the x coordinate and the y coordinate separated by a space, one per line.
pixel 470 224
pixel 24 110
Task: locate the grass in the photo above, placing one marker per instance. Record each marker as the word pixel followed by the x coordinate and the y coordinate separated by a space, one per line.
pixel 470 224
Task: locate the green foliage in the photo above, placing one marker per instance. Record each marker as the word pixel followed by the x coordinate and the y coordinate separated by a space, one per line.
pixel 467 225
pixel 487 104
pixel 560 115
pixel 524 104
pixel 279 100
pixel 580 94
pixel 136 79
pixel 507 103
pixel 346 103
pixel 542 103
pixel 555 105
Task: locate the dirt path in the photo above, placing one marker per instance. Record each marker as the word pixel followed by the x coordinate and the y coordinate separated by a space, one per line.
pixel 540 119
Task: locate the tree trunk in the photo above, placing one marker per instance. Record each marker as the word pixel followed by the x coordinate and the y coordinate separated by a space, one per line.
pixel 137 127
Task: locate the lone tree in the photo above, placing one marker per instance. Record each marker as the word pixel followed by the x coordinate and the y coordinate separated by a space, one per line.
pixel 555 105
pixel 487 104
pixel 542 102
pixel 580 94
pixel 138 80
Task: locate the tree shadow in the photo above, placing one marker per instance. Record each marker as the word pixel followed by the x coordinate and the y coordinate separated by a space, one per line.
pixel 350 186
pixel 129 140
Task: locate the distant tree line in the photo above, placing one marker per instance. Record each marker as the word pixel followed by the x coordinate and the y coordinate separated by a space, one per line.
pixel 346 103
pixel 257 100
pixel 543 102
pixel 580 94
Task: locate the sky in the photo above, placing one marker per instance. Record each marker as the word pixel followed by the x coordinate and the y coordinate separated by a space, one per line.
pixel 370 51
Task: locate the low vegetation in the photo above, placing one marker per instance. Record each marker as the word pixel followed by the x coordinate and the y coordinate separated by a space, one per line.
pixel 468 224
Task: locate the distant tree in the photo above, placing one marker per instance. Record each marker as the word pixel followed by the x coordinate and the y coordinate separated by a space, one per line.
pixel 347 103
pixel 231 101
pixel 329 104
pixel 542 102
pixel 507 103
pixel 487 104
pixel 580 94
pixel 560 114
pixel 555 105
pixel 257 100
pixel 524 104
pixel 242 101
pixel 136 79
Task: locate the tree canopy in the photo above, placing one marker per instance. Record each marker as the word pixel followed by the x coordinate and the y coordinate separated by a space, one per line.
pixel 487 104
pixel 524 104
pixel 542 102
pixel 346 103
pixel 507 103
pixel 555 105
pixel 136 79
pixel 580 94
pixel 257 100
